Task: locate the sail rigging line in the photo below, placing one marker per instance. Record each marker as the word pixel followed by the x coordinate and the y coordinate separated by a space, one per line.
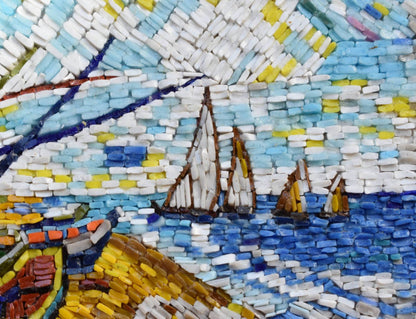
pixel 62 85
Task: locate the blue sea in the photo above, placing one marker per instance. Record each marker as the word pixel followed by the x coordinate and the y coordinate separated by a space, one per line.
pixel 378 236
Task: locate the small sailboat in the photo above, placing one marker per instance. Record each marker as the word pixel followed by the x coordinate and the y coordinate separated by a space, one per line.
pixel 292 200
pixel 240 194
pixel 337 199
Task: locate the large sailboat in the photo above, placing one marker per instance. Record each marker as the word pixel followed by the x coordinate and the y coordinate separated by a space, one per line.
pixel 203 182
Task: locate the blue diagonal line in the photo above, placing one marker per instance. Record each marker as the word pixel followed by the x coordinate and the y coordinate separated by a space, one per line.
pixel 115 114
pixel 29 141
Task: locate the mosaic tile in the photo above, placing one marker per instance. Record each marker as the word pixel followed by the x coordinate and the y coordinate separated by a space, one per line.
pixel 207 159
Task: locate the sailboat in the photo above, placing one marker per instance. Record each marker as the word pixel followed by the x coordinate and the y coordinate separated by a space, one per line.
pixel 292 201
pixel 337 200
pixel 240 194
pixel 198 188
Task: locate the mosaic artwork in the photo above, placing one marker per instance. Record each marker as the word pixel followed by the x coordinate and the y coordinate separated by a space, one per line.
pixel 208 159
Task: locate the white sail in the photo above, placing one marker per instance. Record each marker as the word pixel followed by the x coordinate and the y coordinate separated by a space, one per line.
pixel 197 188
